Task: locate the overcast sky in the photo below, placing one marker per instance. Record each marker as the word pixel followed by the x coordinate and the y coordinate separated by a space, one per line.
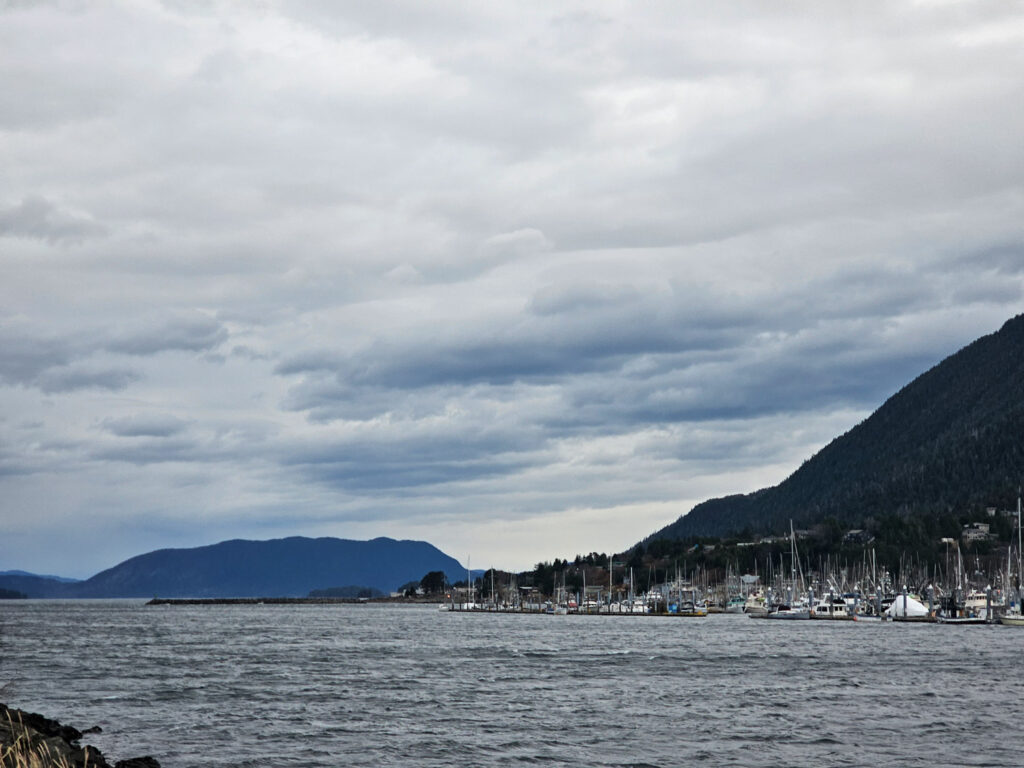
pixel 522 280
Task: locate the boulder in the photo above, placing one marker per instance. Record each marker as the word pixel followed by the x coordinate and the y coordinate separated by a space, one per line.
pixel 27 738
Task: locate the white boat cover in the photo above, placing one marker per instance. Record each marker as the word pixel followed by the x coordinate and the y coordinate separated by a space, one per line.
pixel 906 606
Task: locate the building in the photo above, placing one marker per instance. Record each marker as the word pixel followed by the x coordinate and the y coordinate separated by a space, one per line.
pixel 976 532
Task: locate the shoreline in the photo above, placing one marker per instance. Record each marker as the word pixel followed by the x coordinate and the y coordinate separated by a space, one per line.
pixel 30 739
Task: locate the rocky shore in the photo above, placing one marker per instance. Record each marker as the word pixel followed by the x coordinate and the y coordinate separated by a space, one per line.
pixel 28 740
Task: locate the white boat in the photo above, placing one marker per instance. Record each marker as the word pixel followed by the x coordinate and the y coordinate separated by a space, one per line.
pixel 790 613
pixel 833 607
pixel 798 609
pixel 906 607
pixel 755 604
pixel 976 604
pixel 735 604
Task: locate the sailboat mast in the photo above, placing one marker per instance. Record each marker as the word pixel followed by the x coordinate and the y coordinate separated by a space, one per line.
pixel 611 564
pixel 1020 573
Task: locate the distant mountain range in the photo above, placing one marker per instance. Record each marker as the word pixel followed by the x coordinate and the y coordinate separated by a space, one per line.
pixel 39 576
pixel 291 567
pixel 949 443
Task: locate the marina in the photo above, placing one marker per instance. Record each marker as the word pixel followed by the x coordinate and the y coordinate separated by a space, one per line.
pixel 863 592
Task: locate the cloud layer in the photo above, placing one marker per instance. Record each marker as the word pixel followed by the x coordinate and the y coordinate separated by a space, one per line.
pixel 523 282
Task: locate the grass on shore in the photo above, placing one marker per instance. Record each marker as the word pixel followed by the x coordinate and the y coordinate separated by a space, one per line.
pixel 28 752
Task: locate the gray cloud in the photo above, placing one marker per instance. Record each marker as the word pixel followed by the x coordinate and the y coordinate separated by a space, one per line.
pixel 37 217
pixel 55 365
pixel 195 333
pixel 144 425
pixel 75 377
pixel 24 357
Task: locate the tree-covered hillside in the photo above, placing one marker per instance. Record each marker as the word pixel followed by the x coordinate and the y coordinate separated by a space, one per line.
pixel 949 443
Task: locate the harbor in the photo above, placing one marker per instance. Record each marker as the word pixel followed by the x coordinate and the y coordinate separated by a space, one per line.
pixel 790 589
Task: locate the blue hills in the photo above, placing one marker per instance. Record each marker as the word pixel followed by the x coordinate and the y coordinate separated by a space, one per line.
pixel 291 567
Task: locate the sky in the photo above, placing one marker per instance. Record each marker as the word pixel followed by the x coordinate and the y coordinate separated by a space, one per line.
pixel 521 280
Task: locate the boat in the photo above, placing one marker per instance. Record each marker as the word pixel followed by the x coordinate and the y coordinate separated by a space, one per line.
pixel 755 604
pixel 961 620
pixel 689 604
pixel 735 604
pixel 832 607
pixel 797 611
pixel 907 608
pixel 1012 620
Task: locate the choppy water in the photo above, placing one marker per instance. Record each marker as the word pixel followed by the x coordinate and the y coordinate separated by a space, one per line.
pixel 414 686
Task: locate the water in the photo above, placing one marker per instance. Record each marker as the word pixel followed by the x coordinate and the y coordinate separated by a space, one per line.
pixel 413 686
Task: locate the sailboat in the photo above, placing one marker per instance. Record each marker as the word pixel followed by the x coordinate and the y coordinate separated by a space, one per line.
pixel 1014 616
pixel 797 609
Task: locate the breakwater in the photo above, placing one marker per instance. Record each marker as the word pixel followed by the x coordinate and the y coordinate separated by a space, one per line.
pixel 290 601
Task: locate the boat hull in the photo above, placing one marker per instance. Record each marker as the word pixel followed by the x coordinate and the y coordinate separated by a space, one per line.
pixel 790 615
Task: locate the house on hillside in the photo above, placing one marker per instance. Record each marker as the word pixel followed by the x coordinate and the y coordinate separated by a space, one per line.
pixel 976 532
pixel 996 512
pixel 857 536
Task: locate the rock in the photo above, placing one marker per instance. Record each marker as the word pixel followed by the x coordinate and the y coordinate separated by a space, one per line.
pixel 27 738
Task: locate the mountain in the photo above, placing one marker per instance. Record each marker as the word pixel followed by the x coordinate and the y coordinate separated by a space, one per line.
pixel 949 443
pixel 62 579
pixel 34 585
pixel 291 567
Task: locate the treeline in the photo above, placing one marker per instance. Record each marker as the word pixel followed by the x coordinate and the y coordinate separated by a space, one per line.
pixel 890 543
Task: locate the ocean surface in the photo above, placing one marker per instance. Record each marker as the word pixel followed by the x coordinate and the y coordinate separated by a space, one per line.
pixel 367 685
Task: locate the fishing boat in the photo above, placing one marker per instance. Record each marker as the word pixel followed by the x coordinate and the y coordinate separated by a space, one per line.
pixel 690 604
pixel 831 607
pixel 735 604
pixel 755 604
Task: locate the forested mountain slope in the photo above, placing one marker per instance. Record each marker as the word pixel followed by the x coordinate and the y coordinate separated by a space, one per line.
pixel 949 442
